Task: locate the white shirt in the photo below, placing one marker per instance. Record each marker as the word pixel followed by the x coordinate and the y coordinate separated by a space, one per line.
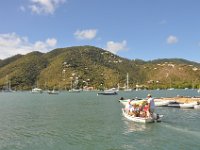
pixel 151 102
pixel 128 107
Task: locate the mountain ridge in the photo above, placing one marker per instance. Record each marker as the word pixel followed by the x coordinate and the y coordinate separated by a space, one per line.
pixel 95 67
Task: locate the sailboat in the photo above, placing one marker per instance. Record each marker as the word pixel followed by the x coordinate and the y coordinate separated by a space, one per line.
pixel 7 87
pixel 74 85
pixel 53 91
pixel 198 90
pixel 36 90
pixel 127 83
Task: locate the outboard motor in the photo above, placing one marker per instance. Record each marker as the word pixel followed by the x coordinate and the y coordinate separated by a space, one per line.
pixel 156 117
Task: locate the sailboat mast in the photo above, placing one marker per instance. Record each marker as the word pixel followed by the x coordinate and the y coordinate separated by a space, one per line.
pixel 127 82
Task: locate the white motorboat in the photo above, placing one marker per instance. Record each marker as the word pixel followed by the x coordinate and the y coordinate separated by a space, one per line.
pixel 133 101
pixel 158 103
pixel 142 119
pixel 36 90
pixel 7 86
pixel 183 105
pixel 162 103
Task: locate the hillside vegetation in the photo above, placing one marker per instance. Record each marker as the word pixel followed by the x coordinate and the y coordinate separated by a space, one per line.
pixel 95 67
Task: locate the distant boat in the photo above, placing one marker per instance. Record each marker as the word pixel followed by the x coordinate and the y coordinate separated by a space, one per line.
pixel 183 105
pixel 108 92
pixel 74 86
pixel 171 89
pixel 198 90
pixel 75 91
pixel 7 87
pixel 53 92
pixel 163 103
pixel 36 90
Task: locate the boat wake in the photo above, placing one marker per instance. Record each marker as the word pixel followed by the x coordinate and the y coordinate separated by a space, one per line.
pixel 133 127
pixel 181 129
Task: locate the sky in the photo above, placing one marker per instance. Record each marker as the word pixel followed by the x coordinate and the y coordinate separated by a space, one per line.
pixel 133 29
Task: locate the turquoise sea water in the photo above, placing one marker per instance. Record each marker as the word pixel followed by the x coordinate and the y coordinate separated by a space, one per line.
pixel 85 121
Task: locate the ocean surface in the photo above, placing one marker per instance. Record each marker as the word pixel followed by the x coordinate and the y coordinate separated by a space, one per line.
pixel 85 121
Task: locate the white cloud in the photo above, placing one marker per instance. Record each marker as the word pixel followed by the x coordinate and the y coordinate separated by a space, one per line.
pixel 172 39
pixel 12 44
pixel 45 6
pixel 88 34
pixel 51 42
pixel 114 47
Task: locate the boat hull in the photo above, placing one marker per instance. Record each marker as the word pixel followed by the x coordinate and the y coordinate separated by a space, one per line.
pixel 160 103
pixel 163 103
pixel 37 90
pixel 53 92
pixel 184 105
pixel 75 91
pixel 125 101
pixel 189 105
pixel 137 119
pixel 107 93
pixel 196 106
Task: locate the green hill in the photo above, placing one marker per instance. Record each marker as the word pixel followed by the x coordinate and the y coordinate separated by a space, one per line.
pixel 95 67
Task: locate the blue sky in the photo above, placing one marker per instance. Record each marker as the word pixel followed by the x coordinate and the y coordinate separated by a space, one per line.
pixel 134 29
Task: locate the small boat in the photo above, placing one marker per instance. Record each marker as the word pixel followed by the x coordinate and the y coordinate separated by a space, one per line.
pixel 108 92
pixel 162 103
pixel 36 90
pixel 158 102
pixel 53 92
pixel 124 102
pixel 133 101
pixel 127 90
pixel 7 86
pixel 156 117
pixel 182 105
pixel 75 91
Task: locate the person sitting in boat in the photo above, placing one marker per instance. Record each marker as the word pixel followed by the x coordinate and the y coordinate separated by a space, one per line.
pixel 144 111
pixel 151 104
pixel 135 110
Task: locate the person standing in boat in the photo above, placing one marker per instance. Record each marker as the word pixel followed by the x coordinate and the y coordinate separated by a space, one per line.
pixel 151 104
